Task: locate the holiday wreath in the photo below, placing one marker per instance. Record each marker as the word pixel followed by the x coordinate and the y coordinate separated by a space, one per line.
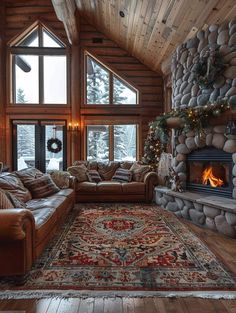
pixel 209 66
pixel 54 145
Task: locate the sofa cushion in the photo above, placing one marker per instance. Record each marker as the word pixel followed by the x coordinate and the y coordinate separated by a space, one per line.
pixel 5 202
pixel 94 176
pixel 109 186
pixel 13 184
pixel 44 203
pixel 61 178
pixel 86 187
pixel 42 187
pixel 122 175
pixel 26 175
pixel 45 219
pixel 134 187
pixel 139 171
pixel 107 170
pixel 79 171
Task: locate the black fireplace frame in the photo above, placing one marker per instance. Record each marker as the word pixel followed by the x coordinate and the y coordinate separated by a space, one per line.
pixel 211 154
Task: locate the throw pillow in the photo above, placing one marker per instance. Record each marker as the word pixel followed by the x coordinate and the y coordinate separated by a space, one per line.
pixel 28 174
pixel 107 170
pixel 5 203
pixel 79 171
pixel 42 187
pixel 93 176
pixel 122 175
pixel 13 184
pixel 139 171
pixel 17 203
pixel 61 178
pixel 126 165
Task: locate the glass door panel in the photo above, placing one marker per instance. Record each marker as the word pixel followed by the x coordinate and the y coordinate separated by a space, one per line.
pixel 54 161
pixel 25 146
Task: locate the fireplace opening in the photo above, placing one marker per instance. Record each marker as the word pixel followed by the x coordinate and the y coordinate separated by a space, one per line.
pixel 210 170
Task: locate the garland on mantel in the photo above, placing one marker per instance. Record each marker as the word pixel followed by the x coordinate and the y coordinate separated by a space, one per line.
pixel 195 118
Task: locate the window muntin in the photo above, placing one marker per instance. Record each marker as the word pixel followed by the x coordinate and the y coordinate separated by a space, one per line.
pixel 112 142
pixel 104 87
pixel 39 75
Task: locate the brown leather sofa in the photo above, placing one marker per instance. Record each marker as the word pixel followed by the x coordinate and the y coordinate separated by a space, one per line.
pixel 24 233
pixel 113 191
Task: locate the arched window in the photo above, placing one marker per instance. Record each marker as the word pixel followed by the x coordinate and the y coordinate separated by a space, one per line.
pixel 39 68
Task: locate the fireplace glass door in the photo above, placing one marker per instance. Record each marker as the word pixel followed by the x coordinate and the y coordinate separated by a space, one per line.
pixel 210 170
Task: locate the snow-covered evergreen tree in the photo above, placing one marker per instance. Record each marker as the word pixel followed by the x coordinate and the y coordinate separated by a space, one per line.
pixel 20 96
pixel 97 84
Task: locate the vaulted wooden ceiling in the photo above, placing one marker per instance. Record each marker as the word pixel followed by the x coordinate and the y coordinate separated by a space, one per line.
pixel 151 29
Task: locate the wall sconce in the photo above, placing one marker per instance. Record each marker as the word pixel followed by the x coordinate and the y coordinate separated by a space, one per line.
pixel 73 127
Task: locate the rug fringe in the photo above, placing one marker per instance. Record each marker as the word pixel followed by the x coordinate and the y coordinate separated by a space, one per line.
pixel 42 294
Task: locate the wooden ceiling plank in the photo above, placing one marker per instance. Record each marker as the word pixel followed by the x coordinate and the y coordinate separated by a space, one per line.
pixel 65 11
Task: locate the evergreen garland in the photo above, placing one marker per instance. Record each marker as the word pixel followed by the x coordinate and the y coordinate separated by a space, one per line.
pixel 195 118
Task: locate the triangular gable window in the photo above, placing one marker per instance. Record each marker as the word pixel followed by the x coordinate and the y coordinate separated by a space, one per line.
pixel 105 87
pixel 40 37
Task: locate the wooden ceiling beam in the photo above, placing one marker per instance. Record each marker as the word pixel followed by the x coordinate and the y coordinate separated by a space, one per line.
pixel 65 11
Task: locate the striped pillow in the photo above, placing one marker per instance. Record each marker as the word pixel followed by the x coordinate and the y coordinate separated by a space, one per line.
pixel 93 176
pixel 122 175
pixel 5 202
pixel 42 187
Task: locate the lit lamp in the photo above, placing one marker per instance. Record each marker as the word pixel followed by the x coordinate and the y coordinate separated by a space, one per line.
pixel 73 127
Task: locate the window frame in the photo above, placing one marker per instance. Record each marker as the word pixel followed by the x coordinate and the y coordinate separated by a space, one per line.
pixel 111 74
pixel 14 50
pixel 111 125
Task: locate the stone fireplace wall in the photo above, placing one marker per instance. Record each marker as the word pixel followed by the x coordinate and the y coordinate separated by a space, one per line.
pixel 185 91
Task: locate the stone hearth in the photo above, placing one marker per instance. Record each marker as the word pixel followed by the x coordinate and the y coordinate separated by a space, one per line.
pixel 212 212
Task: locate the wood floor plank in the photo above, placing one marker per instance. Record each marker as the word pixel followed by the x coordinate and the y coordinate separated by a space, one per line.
pixel 86 305
pixel 113 305
pixel 69 305
pixel 160 306
pixel 53 306
pixel 26 305
pixel 139 305
pixel 98 305
pixel 128 305
pixel 230 305
pixel 149 305
pixel 43 305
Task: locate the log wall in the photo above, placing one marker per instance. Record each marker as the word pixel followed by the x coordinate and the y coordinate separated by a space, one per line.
pixel 17 16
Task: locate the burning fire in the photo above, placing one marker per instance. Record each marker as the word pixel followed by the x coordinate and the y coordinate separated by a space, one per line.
pixel 208 176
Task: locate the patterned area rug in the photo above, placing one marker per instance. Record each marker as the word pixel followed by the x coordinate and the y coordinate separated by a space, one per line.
pixel 126 247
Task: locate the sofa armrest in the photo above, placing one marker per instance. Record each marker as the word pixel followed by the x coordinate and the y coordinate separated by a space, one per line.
pixel 15 223
pixel 150 180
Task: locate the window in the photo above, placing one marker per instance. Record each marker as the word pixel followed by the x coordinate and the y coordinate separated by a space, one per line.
pixel 39 68
pixel 104 87
pixel 112 142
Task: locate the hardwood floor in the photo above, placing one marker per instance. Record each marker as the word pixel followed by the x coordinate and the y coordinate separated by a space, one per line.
pixel 223 247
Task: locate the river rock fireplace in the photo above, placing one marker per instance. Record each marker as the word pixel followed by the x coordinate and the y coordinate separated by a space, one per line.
pixel 209 170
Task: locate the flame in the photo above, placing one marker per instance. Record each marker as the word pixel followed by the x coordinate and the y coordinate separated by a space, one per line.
pixel 208 176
